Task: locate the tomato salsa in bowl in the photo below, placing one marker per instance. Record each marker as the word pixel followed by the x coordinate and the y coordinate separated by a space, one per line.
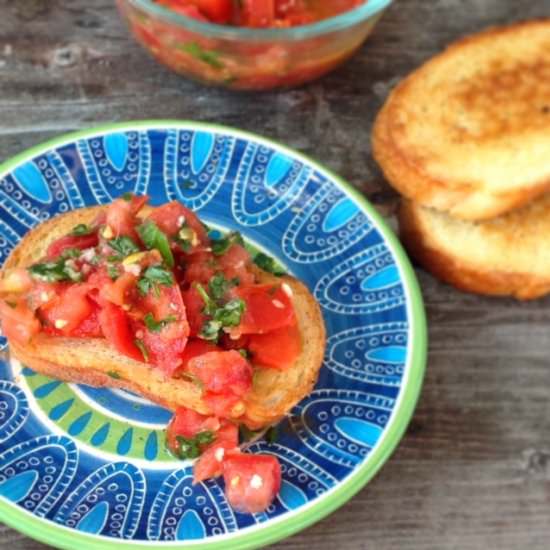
pixel 252 44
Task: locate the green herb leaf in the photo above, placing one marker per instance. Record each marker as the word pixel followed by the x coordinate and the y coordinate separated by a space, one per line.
pixel 153 276
pixel 127 196
pixel 80 230
pixel 71 253
pixel 191 447
pixel 210 57
pixel 246 434
pixel 221 246
pixel 114 374
pixel 51 272
pixel 210 330
pixel 152 237
pixel 219 285
pixel 272 435
pixel 210 305
pixel 157 326
pixel 230 314
pixel 124 246
pixel 141 346
pixel 267 263
pixel 112 271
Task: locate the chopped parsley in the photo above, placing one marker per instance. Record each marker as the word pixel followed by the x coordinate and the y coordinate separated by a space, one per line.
pixel 221 246
pixel 80 230
pixel 219 285
pixel 267 263
pixel 154 275
pixel 154 238
pixel 127 196
pixel 71 253
pixel 191 447
pixel 125 246
pixel 210 57
pixel 114 374
pixel 112 271
pixel 55 271
pixel 246 434
pixel 157 326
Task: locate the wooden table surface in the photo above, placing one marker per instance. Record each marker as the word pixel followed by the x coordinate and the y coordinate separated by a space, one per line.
pixel 473 471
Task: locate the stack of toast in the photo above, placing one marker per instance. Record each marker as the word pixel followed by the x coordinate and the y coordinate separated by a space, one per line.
pixel 466 140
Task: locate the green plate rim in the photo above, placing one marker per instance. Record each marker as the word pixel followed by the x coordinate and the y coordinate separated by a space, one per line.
pixel 275 530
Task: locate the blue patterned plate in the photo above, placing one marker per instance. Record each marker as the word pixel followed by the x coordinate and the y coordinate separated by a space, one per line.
pixel 83 466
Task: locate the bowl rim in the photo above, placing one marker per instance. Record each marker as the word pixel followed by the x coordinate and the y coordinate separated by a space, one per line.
pixel 63 537
pixel 344 20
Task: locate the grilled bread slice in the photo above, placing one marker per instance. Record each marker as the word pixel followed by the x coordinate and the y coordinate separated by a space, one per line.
pixel 90 361
pixel 469 132
pixel 508 255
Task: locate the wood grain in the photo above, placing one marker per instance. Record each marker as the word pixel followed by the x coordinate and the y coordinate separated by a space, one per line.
pixel 473 471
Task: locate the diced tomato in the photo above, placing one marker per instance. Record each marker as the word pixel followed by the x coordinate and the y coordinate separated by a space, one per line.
pixel 258 13
pixel 19 323
pixel 169 217
pixel 278 349
pixel 121 215
pixel 222 372
pixel 200 268
pixel 224 405
pixel 44 294
pixel 226 342
pixel 188 423
pixel 210 463
pixel 251 481
pixel 189 11
pixel 117 291
pixel 69 309
pixel 15 281
pixel 116 328
pixel 194 306
pixel 195 348
pixel 165 353
pixel 218 11
pixel 89 327
pixel 71 241
pixel 235 263
pixel 268 307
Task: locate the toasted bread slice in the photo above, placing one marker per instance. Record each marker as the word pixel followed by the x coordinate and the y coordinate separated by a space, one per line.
pixel 469 131
pixel 508 255
pixel 93 361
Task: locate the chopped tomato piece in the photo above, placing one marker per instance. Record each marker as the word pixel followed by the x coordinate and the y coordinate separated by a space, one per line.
pixel 251 481
pixel 71 241
pixel 258 13
pixel 188 423
pixel 121 216
pixel 225 405
pixel 226 342
pixel 117 291
pixel 210 463
pixel 195 348
pixel 278 348
pixel 170 218
pixel 189 11
pixel 165 353
pixel 235 263
pixel 268 307
pixel 200 268
pixel 194 306
pixel 218 11
pixel 89 327
pixel 19 323
pixel 116 328
pixel 222 372
pixel 70 308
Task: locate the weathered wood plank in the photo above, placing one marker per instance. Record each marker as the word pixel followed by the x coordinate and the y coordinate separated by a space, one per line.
pixel 473 471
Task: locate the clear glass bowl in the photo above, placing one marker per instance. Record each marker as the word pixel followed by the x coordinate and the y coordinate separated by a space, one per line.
pixel 249 59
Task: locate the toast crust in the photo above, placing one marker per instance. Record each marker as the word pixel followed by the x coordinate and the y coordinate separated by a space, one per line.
pixel 89 361
pixel 502 263
pixel 468 132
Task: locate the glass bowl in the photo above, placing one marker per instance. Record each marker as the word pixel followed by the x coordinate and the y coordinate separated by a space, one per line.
pixel 249 59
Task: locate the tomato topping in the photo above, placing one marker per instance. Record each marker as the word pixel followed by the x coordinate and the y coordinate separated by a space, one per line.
pixel 235 263
pixel 210 463
pixel 194 348
pixel 116 328
pixel 224 405
pixel 165 353
pixel 258 13
pixel 117 291
pixel 70 309
pixel 89 327
pixel 251 481
pixel 19 322
pixel 222 372
pixel 200 268
pixel 268 307
pixel 194 306
pixel 171 217
pixel 71 241
pixel 278 349
pixel 197 431
pixel 189 11
pixel 121 216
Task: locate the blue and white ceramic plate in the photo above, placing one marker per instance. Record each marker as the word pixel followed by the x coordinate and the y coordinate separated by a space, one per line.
pixel 83 467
